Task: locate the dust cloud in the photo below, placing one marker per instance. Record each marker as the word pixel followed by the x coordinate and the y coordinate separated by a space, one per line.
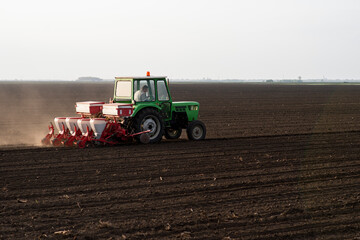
pixel 27 108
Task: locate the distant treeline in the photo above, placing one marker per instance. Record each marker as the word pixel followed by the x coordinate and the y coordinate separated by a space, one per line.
pixel 89 79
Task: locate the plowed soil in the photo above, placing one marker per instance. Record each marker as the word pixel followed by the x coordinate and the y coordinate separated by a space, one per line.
pixel 279 162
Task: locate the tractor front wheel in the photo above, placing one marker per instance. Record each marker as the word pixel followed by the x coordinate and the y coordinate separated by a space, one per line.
pixel 196 130
pixel 149 119
pixel 173 132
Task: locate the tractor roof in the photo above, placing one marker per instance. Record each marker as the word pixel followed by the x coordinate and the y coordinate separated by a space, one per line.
pixel 144 77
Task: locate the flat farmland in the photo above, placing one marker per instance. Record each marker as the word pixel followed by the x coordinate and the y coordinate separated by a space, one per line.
pixel 279 162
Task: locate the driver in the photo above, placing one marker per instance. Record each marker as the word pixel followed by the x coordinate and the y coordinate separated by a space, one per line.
pixel 141 95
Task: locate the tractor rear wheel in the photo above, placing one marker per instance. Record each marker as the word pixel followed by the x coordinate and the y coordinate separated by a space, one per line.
pixel 196 130
pixel 149 119
pixel 173 132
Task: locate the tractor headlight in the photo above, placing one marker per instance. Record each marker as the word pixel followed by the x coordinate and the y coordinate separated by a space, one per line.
pixel 194 107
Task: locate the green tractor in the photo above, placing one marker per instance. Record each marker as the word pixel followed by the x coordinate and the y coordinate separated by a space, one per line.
pixel 155 112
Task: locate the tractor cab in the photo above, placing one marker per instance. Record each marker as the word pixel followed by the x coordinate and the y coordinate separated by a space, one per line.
pixel 144 92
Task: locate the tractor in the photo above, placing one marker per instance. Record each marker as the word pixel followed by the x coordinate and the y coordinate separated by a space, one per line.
pixel 141 109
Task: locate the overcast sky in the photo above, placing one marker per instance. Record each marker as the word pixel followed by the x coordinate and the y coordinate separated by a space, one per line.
pixel 242 39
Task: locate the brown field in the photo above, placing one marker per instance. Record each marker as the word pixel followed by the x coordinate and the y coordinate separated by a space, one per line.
pixel 279 162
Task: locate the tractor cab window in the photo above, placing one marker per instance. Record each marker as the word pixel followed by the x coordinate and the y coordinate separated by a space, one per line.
pixel 144 90
pixel 123 90
pixel 163 94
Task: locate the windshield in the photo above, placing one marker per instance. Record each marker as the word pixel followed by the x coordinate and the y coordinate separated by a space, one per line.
pixel 123 90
